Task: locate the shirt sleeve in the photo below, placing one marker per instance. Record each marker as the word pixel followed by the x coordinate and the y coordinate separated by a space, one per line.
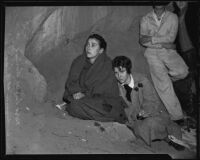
pixel 144 31
pixel 143 26
pixel 171 35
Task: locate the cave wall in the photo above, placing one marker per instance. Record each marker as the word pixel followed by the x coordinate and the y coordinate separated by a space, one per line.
pixel 41 42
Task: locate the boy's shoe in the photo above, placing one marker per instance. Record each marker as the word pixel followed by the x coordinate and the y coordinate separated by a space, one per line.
pixel 177 144
pixel 180 122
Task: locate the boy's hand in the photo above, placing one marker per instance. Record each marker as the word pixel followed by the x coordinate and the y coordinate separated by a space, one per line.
pixel 143 114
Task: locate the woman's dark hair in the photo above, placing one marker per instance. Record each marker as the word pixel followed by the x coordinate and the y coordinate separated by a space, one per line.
pixel 122 61
pixel 102 42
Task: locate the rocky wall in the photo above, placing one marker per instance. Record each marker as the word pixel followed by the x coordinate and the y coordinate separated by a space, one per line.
pixel 60 33
pixel 41 42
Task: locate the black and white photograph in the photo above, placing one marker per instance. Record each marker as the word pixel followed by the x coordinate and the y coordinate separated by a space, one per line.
pixel 101 79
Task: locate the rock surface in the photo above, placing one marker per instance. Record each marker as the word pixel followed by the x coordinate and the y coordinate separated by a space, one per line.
pixel 61 34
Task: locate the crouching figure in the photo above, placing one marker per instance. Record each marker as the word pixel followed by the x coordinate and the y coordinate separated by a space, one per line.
pixel 147 116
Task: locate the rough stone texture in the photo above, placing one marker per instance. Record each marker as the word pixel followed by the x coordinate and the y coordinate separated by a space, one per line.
pixel 17 67
pixel 22 81
pixel 62 32
pixel 23 71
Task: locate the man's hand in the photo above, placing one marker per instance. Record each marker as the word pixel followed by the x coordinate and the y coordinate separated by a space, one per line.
pixel 145 39
pixel 78 95
pixel 168 45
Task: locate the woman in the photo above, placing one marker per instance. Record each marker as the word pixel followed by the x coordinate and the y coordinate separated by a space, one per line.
pixel 91 90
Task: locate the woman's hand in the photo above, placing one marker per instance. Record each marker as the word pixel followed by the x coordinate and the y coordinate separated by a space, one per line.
pixel 78 95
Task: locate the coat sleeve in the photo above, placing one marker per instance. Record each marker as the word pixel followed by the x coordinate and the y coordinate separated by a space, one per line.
pixel 72 84
pixel 151 100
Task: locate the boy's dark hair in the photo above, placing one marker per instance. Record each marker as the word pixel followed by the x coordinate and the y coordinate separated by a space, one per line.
pixel 122 61
pixel 102 42
pixel 159 3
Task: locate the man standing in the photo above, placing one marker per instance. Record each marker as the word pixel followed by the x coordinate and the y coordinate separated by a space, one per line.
pixel 158 30
pixel 147 116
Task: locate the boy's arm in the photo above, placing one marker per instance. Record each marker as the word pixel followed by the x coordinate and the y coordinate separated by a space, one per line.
pixel 172 32
pixel 145 38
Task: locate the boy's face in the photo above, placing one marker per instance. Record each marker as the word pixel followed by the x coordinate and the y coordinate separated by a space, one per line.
pixel 121 74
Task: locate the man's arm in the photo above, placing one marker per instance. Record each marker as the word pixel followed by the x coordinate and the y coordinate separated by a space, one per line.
pixel 144 38
pixel 172 32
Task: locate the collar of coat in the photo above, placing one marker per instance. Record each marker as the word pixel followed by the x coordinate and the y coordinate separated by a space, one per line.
pixel 137 77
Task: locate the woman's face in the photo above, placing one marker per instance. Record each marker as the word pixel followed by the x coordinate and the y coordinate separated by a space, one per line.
pixel 121 75
pixel 93 49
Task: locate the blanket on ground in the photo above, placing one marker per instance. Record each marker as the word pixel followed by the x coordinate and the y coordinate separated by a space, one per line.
pixel 98 83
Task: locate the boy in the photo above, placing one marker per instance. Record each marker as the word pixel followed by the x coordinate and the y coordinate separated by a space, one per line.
pixel 147 116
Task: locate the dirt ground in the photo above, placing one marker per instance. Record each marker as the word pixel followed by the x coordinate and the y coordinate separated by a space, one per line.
pixel 40 128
